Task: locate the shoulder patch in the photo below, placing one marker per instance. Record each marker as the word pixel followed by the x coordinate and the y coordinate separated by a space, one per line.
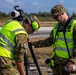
pixel 25 46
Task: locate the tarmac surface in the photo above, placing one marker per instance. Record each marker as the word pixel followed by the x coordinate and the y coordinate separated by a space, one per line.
pixel 33 70
pixel 41 32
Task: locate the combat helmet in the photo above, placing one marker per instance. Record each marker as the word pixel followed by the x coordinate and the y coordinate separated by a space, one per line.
pixel 56 10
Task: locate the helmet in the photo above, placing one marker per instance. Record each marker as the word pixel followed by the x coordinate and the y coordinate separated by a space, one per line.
pixel 17 14
pixel 58 9
pixel 33 20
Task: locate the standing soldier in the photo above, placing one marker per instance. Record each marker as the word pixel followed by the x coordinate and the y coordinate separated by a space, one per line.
pixel 63 38
pixel 13 42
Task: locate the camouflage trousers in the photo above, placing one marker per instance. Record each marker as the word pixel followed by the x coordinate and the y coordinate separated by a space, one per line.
pixel 59 70
pixel 7 68
pixel 59 67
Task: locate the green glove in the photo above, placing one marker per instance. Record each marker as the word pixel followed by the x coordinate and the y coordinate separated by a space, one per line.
pixel 50 62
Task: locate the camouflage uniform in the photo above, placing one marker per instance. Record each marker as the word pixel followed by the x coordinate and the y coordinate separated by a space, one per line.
pixel 58 69
pixel 7 67
pixel 13 67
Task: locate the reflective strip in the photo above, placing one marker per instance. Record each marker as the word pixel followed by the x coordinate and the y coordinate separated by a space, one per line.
pixel 68 39
pixel 6 47
pixel 64 49
pixel 18 30
pixel 6 40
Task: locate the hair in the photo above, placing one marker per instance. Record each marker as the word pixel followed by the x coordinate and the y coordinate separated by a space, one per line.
pixel 26 21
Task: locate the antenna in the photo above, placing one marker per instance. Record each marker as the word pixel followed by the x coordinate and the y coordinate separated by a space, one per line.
pixel 15 7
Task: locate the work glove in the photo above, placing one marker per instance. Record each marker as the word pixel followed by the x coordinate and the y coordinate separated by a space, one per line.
pixel 50 62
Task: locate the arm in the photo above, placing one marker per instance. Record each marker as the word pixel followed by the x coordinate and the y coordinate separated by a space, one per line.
pixel 20 40
pixel 71 64
pixel 74 39
pixel 44 43
pixel 20 66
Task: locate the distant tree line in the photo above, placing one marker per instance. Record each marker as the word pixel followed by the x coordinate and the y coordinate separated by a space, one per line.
pixel 40 15
pixel 74 14
pixel 43 14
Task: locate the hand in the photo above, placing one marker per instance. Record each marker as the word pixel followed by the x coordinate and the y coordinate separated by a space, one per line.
pixel 70 66
pixel 30 42
pixel 47 61
pixel 23 74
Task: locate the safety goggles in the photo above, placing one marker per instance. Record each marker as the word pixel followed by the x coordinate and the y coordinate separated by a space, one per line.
pixel 56 16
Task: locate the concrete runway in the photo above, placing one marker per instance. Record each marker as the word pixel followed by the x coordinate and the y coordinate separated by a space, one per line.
pixel 41 32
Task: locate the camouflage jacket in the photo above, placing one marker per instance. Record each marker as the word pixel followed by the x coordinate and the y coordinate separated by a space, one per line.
pixel 19 50
pixel 50 40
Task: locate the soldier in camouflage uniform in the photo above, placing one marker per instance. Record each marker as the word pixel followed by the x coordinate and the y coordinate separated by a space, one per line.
pixel 14 43
pixel 63 39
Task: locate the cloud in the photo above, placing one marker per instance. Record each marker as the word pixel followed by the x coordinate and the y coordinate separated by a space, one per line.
pixel 35 3
pixel 9 0
pixel 61 1
pixel 71 9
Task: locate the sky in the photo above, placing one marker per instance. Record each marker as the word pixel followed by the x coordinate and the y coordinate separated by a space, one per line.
pixel 34 6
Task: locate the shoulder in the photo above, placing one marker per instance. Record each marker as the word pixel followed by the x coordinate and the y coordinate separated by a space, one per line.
pixel 73 19
pixel 21 37
pixel 15 22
